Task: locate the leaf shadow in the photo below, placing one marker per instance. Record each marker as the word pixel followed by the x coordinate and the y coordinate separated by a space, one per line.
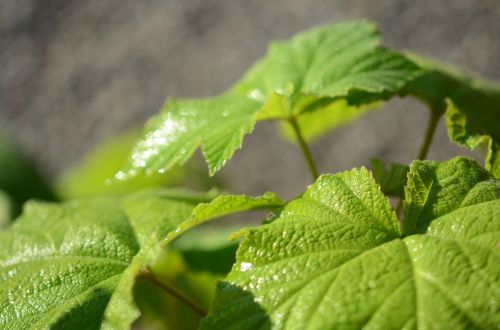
pixel 87 314
pixel 235 308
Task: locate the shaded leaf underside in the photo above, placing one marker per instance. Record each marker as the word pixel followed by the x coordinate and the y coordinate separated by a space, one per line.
pixel 471 106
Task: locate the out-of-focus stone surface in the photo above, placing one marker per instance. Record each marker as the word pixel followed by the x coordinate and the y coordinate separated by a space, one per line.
pixel 75 72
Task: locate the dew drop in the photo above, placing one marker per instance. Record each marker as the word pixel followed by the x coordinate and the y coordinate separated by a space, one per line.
pixel 244 266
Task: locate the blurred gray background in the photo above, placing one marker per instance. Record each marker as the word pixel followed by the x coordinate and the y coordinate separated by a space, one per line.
pixel 75 72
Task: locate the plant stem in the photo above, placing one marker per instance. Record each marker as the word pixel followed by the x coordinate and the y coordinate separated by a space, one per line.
pixel 399 209
pixel 304 147
pixel 149 276
pixel 429 134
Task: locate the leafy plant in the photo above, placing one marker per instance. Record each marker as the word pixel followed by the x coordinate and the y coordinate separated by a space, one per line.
pixel 337 256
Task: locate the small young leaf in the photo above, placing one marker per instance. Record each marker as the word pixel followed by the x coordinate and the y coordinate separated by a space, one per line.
pixel 305 74
pixel 393 180
pixel 225 205
pixel 335 259
pixel 435 189
pixel 472 106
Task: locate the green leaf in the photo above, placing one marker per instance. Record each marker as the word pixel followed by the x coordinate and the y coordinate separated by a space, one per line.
pixel 435 189
pixel 343 60
pixel 305 74
pixel 471 105
pixel 392 180
pixel 225 205
pixel 70 265
pixel 472 118
pixel 19 178
pixel 54 269
pixel 218 124
pixel 153 216
pixel 335 258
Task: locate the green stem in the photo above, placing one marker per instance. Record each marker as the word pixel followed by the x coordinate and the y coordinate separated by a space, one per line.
pixel 399 209
pixel 149 276
pixel 304 147
pixel 429 134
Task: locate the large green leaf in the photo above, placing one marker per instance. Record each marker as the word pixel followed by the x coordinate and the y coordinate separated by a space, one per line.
pixel 74 264
pixel 60 264
pixel 342 60
pixel 305 74
pixel 471 105
pixel 335 258
pixel 63 265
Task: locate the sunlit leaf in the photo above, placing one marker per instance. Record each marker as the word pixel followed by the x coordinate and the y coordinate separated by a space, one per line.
pixel 303 75
pixel 70 265
pixel 336 258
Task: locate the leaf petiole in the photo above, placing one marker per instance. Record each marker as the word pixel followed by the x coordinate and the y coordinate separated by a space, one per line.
pixel 195 306
pixel 304 147
pixel 429 133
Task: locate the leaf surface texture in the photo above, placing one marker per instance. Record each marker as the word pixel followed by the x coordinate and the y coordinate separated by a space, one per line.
pixel 335 258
